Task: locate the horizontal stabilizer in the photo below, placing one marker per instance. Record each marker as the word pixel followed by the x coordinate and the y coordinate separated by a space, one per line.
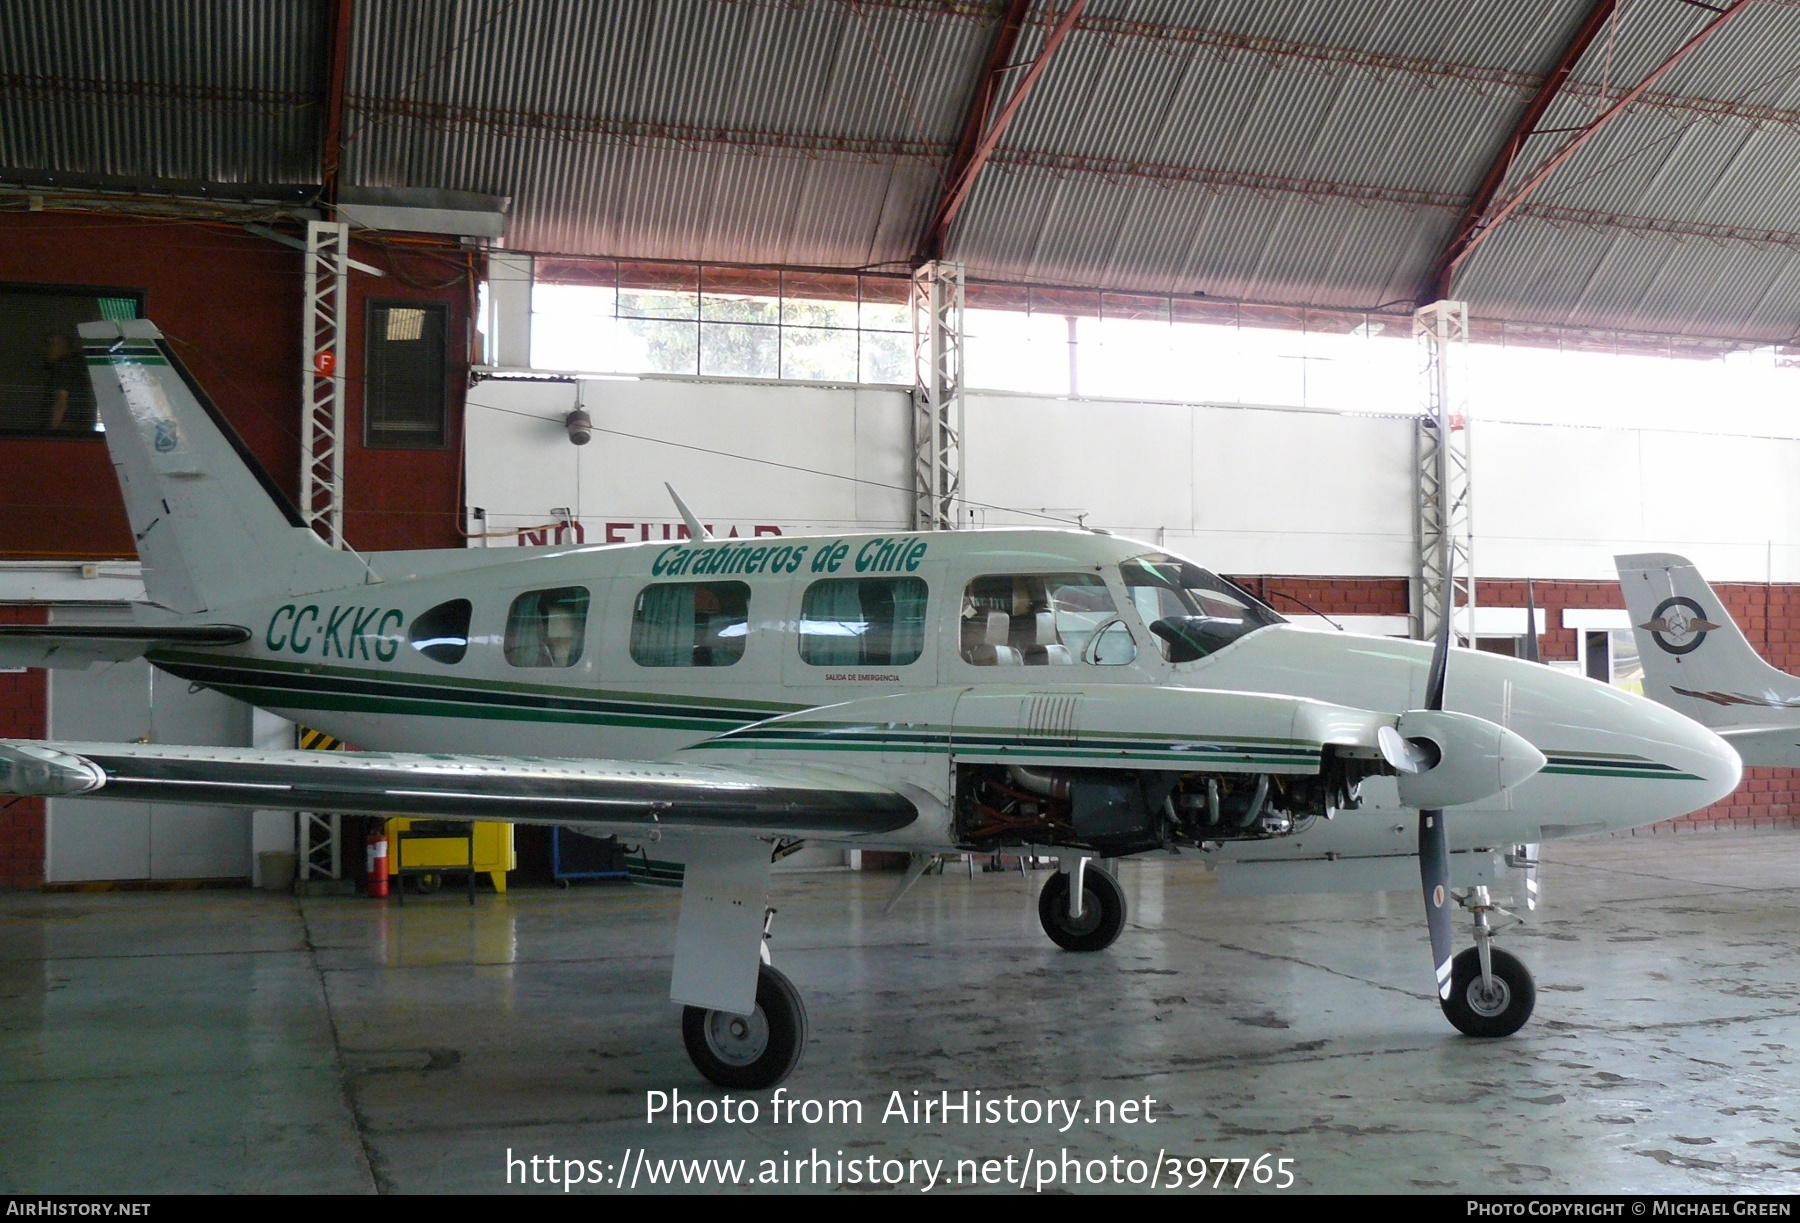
pixel 76 646
pixel 610 795
pixel 1769 746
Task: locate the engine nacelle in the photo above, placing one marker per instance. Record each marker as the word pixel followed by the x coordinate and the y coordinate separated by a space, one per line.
pixel 1476 758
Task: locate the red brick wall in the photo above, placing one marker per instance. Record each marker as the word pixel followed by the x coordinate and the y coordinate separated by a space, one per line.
pixel 24 714
pixel 230 304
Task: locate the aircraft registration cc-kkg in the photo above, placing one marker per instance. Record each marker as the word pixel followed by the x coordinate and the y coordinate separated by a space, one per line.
pixel 1067 693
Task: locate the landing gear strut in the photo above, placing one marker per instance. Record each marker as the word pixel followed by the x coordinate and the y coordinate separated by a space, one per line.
pixel 1095 922
pixel 1491 992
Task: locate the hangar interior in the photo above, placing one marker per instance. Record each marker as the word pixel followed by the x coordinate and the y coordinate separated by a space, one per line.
pixel 1384 312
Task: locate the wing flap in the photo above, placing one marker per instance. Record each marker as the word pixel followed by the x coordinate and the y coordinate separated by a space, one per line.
pixel 603 793
pixel 77 646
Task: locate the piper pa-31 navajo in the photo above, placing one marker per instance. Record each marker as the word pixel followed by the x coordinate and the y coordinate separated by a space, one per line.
pixel 1697 662
pixel 1063 693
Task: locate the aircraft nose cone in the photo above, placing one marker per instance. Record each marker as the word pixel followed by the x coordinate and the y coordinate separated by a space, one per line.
pixel 1715 761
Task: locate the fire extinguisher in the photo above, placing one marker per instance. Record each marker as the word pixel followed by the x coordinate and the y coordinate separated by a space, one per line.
pixel 378 863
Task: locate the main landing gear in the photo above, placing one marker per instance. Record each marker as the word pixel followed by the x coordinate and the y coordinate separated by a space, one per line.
pixel 1491 992
pixel 1081 907
pixel 754 1051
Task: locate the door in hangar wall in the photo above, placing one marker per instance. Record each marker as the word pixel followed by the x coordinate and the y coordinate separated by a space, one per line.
pixel 93 840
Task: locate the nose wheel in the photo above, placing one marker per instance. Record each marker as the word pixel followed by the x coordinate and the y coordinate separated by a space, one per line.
pixel 1095 922
pixel 1497 1006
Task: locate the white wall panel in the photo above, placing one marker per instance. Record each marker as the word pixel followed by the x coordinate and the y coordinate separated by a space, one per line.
pixel 1560 502
pixel 126 702
pixel 1243 490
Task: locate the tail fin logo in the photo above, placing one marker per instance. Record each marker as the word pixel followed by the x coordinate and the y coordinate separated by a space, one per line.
pixel 1679 625
pixel 167 439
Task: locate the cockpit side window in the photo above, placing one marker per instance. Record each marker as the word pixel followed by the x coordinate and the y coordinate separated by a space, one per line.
pixel 545 628
pixel 690 624
pixel 1043 620
pixel 1191 612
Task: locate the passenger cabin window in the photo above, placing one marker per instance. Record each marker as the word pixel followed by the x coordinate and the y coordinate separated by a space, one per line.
pixel 546 628
pixel 1191 612
pixel 863 622
pixel 1043 620
pixel 442 634
pixel 690 624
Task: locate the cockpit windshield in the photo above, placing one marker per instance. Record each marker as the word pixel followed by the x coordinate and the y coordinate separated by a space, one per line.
pixel 1191 612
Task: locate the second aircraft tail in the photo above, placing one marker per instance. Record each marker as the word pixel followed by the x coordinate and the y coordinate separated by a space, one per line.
pixel 1695 658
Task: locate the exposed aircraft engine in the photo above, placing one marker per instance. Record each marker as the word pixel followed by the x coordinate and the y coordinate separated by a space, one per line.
pixel 1124 811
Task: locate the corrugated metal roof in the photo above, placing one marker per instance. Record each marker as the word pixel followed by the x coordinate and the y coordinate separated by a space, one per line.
pixel 1318 152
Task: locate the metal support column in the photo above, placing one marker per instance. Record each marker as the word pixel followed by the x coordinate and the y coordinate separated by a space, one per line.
pixel 321 848
pixel 1444 576
pixel 937 317
pixel 322 412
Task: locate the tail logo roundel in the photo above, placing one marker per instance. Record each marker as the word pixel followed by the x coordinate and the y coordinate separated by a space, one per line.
pixel 1679 625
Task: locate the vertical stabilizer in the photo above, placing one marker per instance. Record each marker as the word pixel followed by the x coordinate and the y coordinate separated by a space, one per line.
pixel 1695 658
pixel 211 527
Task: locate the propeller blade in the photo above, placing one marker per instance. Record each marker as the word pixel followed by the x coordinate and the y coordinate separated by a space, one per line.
pixel 1532 653
pixel 1440 660
pixel 1434 874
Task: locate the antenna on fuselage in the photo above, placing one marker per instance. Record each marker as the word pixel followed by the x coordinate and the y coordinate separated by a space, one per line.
pixel 687 515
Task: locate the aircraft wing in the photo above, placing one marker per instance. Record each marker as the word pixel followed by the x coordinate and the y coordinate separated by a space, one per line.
pixel 78 646
pixel 612 795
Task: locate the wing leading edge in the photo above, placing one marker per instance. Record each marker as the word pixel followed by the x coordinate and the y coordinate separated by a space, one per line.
pixel 607 793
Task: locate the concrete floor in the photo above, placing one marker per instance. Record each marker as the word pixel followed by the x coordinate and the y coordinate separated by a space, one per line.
pixel 239 1041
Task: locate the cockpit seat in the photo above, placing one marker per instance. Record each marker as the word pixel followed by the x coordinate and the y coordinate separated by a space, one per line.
pixel 992 650
pixel 1046 648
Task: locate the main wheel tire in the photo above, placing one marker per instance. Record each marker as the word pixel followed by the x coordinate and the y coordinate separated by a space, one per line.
pixel 753 1051
pixel 1474 1011
pixel 1102 911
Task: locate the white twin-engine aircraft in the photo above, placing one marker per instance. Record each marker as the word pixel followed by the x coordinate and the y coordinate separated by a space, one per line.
pixel 1697 662
pixel 1063 693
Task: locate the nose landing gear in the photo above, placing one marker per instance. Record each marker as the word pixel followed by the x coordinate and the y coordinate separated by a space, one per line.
pixel 1491 992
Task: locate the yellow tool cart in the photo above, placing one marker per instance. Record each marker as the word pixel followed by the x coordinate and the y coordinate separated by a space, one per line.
pixel 423 850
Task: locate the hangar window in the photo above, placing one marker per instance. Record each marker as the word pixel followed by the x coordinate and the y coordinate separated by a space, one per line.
pixel 545 628
pixel 44 387
pixel 1191 612
pixel 406 392
pixel 1042 619
pixel 442 634
pixel 863 622
pixel 690 624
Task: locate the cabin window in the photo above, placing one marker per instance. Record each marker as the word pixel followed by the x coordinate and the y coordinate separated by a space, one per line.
pixel 1043 620
pixel 1191 612
pixel 863 622
pixel 442 634
pixel 690 624
pixel 545 628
